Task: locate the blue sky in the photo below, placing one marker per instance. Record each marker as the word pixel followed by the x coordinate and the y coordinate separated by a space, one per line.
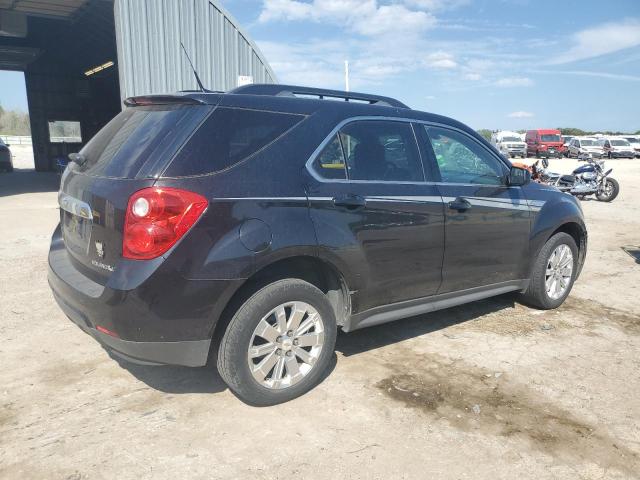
pixel 490 63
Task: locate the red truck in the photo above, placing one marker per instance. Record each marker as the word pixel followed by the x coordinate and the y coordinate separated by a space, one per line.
pixel 544 143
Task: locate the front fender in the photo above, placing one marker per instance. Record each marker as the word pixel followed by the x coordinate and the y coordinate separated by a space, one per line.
pixel 560 212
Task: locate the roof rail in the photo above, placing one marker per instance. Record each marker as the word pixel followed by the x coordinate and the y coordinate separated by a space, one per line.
pixel 321 93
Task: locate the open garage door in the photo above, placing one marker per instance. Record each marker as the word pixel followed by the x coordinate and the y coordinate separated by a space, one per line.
pixel 67 51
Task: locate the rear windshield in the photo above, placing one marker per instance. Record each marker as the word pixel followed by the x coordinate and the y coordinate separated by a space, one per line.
pixel 229 136
pixel 139 140
pixel 588 143
pixel 550 138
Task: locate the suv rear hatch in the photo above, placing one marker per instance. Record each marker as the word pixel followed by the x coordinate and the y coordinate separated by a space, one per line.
pixel 128 154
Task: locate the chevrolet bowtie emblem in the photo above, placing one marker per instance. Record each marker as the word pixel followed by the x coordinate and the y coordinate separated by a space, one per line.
pixel 100 249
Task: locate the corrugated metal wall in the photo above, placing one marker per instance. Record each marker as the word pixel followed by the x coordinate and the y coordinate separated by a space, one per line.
pixel 150 59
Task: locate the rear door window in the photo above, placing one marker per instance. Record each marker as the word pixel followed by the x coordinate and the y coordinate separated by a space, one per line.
pixel 140 139
pixel 377 150
pixel 229 136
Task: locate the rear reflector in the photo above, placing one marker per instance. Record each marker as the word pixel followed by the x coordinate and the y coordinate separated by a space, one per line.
pixel 107 331
pixel 157 218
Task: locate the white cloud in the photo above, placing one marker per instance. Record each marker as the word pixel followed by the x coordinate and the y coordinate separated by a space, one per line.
pixel 433 5
pixel 472 76
pixel 520 114
pixel 514 82
pixel 364 17
pixel 587 73
pixel 600 40
pixel 430 97
pixel 440 60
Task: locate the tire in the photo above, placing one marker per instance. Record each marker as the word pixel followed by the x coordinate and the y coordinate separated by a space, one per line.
pixel 537 294
pixel 615 190
pixel 240 335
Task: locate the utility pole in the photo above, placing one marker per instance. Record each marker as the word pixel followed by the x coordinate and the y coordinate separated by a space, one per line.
pixel 346 75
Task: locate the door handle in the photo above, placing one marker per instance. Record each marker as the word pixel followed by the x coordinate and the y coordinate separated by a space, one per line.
pixel 351 202
pixel 460 204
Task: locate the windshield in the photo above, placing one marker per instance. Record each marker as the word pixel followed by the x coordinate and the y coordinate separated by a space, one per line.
pixel 619 143
pixel 633 140
pixel 510 139
pixel 1 142
pixel 567 139
pixel 588 143
pixel 550 138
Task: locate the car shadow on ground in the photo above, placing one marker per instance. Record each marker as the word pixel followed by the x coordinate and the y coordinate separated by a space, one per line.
pixel 360 341
pixel 174 379
pixel 28 181
pixel 179 380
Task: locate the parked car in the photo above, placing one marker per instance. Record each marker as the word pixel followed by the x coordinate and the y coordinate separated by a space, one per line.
pixel 582 145
pixel 567 139
pixel 267 220
pixel 634 140
pixel 544 143
pixel 616 147
pixel 6 159
pixel 509 144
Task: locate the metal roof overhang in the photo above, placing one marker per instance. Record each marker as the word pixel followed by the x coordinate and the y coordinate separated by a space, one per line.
pixel 61 9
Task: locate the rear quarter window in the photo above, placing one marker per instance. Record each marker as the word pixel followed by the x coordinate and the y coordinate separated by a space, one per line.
pixel 140 140
pixel 229 136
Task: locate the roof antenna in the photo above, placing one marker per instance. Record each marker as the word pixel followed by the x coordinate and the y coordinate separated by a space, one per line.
pixel 202 89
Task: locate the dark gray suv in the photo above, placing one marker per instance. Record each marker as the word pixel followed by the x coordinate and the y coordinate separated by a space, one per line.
pixel 247 227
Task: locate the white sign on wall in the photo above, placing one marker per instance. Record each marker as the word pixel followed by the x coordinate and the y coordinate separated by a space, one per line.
pixel 244 80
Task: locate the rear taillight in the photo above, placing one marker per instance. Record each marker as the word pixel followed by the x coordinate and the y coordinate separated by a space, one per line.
pixel 157 218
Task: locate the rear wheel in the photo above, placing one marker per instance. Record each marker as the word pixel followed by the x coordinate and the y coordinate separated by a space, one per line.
pixel 609 191
pixel 553 273
pixel 279 343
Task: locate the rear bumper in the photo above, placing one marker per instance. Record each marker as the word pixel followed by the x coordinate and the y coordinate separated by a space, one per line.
pixel 190 353
pixel 167 319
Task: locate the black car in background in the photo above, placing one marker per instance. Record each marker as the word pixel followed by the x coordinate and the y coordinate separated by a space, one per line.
pixel 6 160
pixel 254 224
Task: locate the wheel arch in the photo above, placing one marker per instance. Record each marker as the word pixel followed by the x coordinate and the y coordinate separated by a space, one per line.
pixel 320 273
pixel 568 220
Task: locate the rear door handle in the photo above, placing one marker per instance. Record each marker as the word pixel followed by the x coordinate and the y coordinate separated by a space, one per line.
pixel 351 202
pixel 460 204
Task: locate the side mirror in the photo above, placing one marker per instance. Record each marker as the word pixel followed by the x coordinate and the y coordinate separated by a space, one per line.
pixel 518 177
pixel 7 145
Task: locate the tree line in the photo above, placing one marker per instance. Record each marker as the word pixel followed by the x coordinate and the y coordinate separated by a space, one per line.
pixel 14 122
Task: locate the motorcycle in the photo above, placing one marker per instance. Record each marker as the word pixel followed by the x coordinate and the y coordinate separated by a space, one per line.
pixel 588 179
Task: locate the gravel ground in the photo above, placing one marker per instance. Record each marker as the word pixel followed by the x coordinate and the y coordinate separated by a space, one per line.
pixel 489 390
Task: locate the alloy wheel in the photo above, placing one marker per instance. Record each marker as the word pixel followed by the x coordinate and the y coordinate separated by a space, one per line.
pixel 285 345
pixel 559 271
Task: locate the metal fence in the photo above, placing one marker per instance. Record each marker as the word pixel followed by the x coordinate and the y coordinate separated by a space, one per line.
pixel 16 140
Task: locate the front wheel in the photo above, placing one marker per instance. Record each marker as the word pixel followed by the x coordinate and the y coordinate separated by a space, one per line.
pixel 609 190
pixel 279 343
pixel 553 273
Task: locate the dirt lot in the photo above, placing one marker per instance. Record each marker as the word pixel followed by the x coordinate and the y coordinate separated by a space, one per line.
pixel 489 390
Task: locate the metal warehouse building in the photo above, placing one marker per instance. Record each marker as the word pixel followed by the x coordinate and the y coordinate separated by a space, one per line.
pixel 81 58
